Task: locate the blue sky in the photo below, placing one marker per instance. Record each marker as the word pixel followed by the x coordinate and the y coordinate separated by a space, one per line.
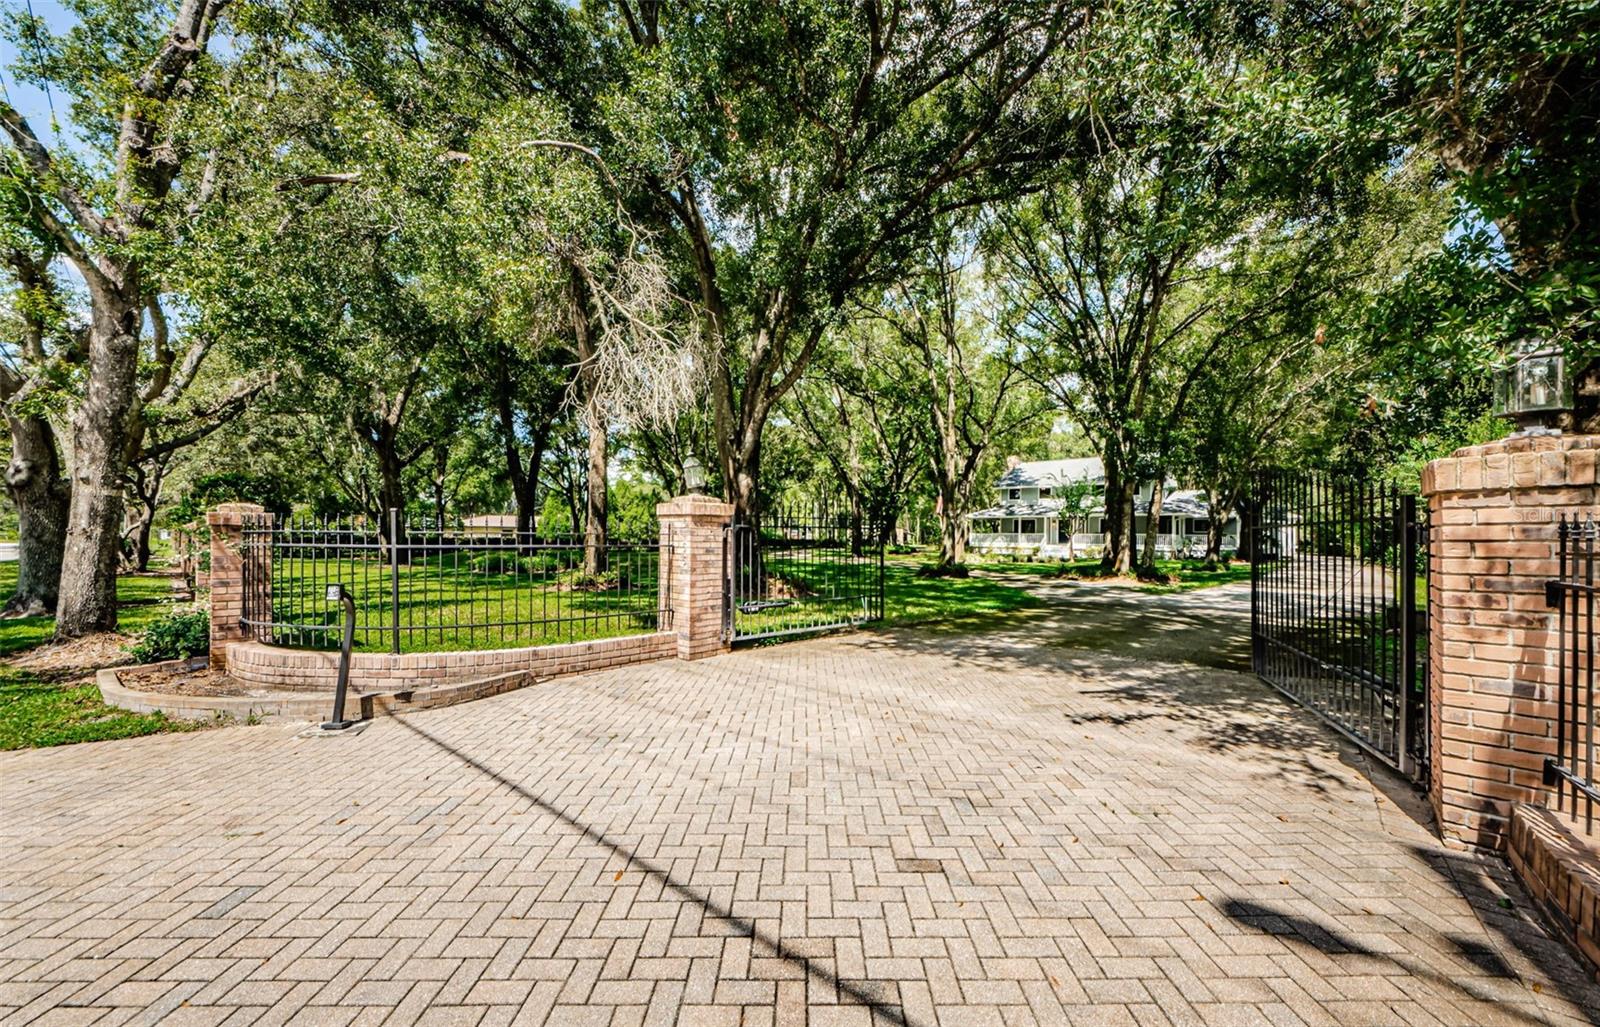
pixel 28 99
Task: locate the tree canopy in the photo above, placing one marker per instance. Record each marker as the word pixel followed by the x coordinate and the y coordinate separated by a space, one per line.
pixel 361 256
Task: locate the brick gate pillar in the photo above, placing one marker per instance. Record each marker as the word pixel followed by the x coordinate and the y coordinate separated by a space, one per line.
pixel 228 578
pixel 1492 660
pixel 693 554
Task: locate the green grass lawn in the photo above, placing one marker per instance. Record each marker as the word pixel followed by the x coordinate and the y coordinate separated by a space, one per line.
pixel 818 590
pixel 36 711
pixel 1185 575
pixel 910 599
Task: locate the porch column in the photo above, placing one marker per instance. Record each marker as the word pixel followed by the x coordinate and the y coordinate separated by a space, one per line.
pixel 693 533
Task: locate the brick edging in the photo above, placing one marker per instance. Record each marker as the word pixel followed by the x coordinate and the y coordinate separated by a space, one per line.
pixel 205 707
pixel 1562 873
pixel 259 665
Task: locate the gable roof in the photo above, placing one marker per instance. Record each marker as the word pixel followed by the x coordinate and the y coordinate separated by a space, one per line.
pixel 1051 473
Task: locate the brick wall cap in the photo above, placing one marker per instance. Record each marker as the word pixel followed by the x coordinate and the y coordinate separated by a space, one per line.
pixel 233 513
pixel 1529 444
pixel 695 508
pixel 1574 453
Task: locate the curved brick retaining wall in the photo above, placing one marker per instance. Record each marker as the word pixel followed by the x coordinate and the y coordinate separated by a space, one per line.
pixel 279 669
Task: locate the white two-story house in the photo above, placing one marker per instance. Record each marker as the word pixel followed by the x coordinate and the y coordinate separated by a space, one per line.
pixel 1031 517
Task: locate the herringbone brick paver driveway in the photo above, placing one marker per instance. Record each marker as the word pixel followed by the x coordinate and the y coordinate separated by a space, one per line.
pixel 921 828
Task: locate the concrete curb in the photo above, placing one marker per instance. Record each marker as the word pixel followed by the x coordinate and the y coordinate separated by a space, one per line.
pixel 294 705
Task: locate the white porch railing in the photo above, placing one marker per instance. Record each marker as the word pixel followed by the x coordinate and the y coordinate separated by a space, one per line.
pixel 1004 539
pixel 1166 545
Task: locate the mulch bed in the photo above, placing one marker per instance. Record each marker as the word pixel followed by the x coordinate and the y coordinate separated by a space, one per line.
pixel 203 681
pixel 79 658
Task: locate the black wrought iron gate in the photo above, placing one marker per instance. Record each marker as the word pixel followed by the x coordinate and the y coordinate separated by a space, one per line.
pixel 1339 606
pixel 801 570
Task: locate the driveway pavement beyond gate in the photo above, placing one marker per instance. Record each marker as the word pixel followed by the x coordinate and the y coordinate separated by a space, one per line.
pixel 1011 827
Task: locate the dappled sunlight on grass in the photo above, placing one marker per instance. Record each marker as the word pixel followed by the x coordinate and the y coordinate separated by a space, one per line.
pixel 1183 575
pixel 36 711
pixel 142 599
pixel 910 599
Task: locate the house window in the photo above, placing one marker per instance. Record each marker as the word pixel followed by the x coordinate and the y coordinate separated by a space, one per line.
pixel 1097 526
pixel 1044 493
pixel 1014 494
pixel 1027 526
pixel 1199 525
pixel 1164 526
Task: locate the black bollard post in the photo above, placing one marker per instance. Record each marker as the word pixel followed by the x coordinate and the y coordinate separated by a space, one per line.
pixel 337 593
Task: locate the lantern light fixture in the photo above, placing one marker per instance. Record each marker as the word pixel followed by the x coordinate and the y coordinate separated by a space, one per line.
pixel 1533 390
pixel 694 476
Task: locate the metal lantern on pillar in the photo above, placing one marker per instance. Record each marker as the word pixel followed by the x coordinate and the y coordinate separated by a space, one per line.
pixel 694 476
pixel 1533 390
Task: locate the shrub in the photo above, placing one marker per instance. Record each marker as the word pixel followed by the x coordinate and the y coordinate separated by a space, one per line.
pixel 177 635
pixel 493 563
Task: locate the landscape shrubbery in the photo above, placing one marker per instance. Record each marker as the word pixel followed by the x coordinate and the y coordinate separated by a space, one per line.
pixel 177 635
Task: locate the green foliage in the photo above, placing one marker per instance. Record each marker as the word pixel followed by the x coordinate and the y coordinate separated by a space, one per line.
pixel 211 490
pixel 633 508
pixel 176 635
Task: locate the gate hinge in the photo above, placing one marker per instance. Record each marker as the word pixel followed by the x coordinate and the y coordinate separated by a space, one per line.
pixel 1552 592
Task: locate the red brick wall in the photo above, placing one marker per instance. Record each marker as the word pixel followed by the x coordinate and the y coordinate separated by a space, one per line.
pixel 279 669
pixel 226 578
pixel 693 527
pixel 692 559
pixel 1492 642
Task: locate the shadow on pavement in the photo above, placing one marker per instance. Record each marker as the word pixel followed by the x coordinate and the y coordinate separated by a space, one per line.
pixel 858 992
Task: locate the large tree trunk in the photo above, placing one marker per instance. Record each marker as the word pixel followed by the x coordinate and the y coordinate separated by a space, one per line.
pixel 41 495
pixel 742 474
pixel 858 538
pixel 952 524
pixel 1120 494
pixel 147 487
pixel 391 492
pixel 524 477
pixel 1220 510
pixel 594 425
pixel 88 601
pixel 1152 525
pixel 595 489
pixel 1214 537
pixel 141 542
pixel 441 469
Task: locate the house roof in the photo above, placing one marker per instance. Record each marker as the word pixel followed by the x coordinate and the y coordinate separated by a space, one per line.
pixel 1051 473
pixel 1017 508
pixel 1185 503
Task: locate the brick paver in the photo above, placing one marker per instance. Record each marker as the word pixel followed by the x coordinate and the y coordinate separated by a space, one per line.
pixel 899 827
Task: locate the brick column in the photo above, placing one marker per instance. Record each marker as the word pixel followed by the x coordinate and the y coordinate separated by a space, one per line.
pixel 694 561
pixel 1492 657
pixel 228 578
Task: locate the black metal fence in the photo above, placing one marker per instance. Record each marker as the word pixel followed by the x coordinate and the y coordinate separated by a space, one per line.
pixel 1571 772
pixel 801 570
pixel 460 586
pixel 1339 606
